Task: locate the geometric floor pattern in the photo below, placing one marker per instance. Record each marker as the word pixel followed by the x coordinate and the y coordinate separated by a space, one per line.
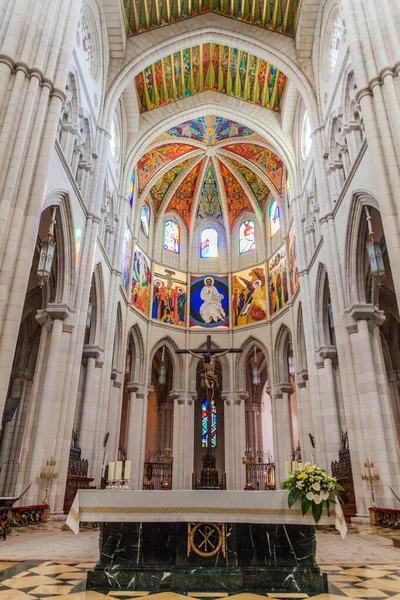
pixel 52 580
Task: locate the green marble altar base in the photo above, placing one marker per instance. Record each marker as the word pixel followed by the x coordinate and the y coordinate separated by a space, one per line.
pixel 258 557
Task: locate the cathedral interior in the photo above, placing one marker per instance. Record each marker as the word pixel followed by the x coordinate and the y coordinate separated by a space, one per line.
pixel 189 185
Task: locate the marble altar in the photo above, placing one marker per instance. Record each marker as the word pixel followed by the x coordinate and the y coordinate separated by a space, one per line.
pixel 202 541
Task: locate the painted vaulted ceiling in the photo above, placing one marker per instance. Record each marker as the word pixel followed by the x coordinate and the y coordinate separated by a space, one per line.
pixel 210 167
pixel 210 67
pixel 280 16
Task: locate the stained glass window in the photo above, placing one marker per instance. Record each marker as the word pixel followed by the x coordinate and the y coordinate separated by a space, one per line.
pixel 87 45
pixel 334 43
pixel 288 189
pixel 172 236
pixel 205 415
pixel 274 218
pixel 145 218
pixel 209 243
pixel 247 237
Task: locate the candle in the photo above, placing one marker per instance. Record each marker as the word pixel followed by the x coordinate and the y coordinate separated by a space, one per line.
pixel 111 471
pixel 127 474
pixel 294 465
pixel 288 468
pixel 118 470
pixel 300 465
pixel 312 459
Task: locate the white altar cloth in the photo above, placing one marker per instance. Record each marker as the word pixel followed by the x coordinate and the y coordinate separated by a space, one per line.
pixel 197 506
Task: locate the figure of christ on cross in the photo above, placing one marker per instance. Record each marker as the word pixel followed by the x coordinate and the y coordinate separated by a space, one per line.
pixel 209 379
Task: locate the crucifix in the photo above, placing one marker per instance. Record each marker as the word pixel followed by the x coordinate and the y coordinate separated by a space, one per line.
pixel 209 379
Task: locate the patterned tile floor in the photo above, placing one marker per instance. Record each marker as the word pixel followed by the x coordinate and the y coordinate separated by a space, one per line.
pixel 363 566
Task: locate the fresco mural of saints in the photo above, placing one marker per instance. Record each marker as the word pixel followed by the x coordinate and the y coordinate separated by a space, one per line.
pixel 169 296
pixel 141 281
pixel 278 281
pixel 209 301
pixel 249 296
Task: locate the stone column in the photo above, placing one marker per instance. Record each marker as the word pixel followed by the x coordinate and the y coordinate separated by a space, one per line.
pixel 136 430
pixel 251 426
pixel 183 439
pixel 41 440
pixel 87 430
pixel 393 382
pixel 235 438
pixel 282 428
pixel 370 423
pixel 305 415
pixel 328 428
pixel 114 414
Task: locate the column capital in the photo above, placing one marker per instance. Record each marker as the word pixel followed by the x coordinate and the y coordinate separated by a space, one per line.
pixel 183 397
pixel 363 312
pixel 324 352
pixel 91 351
pixel 302 378
pixel 54 312
pixel 285 387
pixel 141 390
pixel 116 377
pixel 235 398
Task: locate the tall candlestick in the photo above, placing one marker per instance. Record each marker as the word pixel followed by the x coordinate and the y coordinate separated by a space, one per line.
pixel 294 465
pixel 127 474
pixel 288 468
pixel 118 470
pixel 111 471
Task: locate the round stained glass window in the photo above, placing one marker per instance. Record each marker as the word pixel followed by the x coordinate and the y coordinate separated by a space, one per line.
pixel 334 43
pixel 306 141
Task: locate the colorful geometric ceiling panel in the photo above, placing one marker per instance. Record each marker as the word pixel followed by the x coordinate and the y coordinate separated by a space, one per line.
pixel 266 160
pixel 236 198
pixel 210 67
pixel 154 160
pixel 255 183
pixel 278 15
pixel 182 199
pixel 209 204
pixel 161 187
pixel 209 130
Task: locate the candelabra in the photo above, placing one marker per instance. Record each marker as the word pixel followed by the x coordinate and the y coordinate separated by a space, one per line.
pixel 370 477
pixel 49 472
pixel 248 460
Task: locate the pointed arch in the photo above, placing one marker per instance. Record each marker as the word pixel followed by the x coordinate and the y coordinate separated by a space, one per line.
pixel 117 360
pixel 96 309
pixel 136 368
pixel 355 246
pixel 65 249
pixel 176 360
pixel 301 342
pixel 282 341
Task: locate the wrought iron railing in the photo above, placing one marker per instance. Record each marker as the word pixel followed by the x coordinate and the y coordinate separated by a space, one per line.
pixel 261 476
pixel 157 474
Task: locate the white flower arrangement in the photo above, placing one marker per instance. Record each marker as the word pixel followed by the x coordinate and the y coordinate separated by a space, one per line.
pixel 314 488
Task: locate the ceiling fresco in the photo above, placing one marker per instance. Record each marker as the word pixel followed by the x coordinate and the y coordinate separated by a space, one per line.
pixel 163 184
pixel 209 130
pixel 156 159
pixel 182 199
pixel 209 204
pixel 260 190
pixel 210 67
pixel 236 198
pixel 212 183
pixel 267 161
pixel 280 16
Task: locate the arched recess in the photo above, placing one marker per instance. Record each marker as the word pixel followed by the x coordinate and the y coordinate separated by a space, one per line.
pixel 117 359
pixel 65 244
pixel 27 369
pixel 285 369
pixel 376 294
pixel 323 305
pixel 95 312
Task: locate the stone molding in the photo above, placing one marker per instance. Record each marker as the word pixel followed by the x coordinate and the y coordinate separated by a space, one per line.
pixel 284 387
pixel 302 378
pixel 141 390
pixel 91 351
pixel 33 72
pixel 183 397
pixel 63 312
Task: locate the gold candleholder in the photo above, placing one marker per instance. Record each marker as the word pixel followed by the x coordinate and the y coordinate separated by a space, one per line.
pixel 49 472
pixel 370 477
